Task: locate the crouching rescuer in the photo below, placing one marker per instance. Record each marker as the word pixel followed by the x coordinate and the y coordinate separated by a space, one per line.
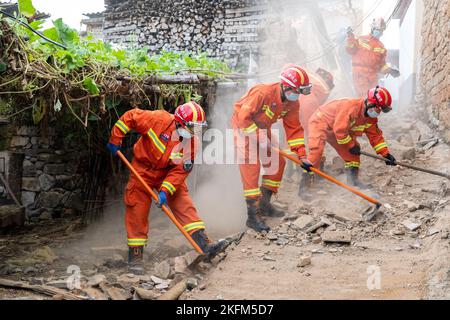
pixel 340 122
pixel 254 115
pixel 164 157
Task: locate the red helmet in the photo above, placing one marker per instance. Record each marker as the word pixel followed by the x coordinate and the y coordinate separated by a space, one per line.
pixel 327 77
pixel 296 78
pixel 380 97
pixel 190 115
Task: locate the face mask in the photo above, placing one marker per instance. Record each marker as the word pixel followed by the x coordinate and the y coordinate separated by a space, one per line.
pixel 377 33
pixel 291 96
pixel 372 113
pixel 184 133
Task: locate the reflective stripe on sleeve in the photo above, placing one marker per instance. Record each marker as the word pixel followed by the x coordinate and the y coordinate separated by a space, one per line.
pixel 296 142
pixel 380 146
pixel 169 187
pixel 345 140
pixel 122 126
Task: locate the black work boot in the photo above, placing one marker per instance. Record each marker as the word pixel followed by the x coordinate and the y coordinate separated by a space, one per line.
pixel 136 260
pixel 266 208
pixel 304 188
pixel 208 247
pixel 352 179
pixel 254 220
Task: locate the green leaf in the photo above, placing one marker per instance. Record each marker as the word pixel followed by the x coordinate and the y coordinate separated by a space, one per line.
pixel 93 118
pixel 90 85
pixel 26 8
pixel 66 33
pixel 52 34
pixel 3 67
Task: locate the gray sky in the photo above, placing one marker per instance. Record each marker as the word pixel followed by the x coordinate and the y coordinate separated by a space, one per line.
pixel 71 11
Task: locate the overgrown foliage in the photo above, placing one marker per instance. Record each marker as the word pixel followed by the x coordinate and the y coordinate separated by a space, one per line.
pixel 88 78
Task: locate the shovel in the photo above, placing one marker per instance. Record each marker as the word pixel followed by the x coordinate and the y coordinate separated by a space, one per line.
pixel 368 215
pixel 164 208
pixel 436 173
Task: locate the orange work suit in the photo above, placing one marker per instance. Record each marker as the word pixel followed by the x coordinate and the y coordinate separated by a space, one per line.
pixel 158 157
pixel 311 102
pixel 368 59
pixel 260 108
pixel 339 123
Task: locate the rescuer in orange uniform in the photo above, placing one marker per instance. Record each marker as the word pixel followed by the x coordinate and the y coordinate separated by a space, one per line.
pixel 260 108
pixel 164 157
pixel 369 58
pixel 340 122
pixel 323 84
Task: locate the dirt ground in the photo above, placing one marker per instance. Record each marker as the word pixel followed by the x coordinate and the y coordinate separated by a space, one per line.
pixel 402 254
pixel 410 264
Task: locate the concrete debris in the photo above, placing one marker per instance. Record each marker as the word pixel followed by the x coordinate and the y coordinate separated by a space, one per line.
pixel 191 257
pixel 317 240
pixel 156 280
pixel 191 283
pixel 180 265
pixel 127 281
pixel 432 232
pixel 430 145
pixel 324 222
pixel 115 293
pixel 411 226
pixel 304 261
pixel 336 236
pixel 303 222
pixel 412 206
pixel 268 258
pixel 162 270
pixel 162 286
pixel 272 236
pixel 95 294
pixel 96 280
pixel 397 232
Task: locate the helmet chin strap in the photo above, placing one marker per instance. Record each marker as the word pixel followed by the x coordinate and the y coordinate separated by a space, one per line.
pixel 283 94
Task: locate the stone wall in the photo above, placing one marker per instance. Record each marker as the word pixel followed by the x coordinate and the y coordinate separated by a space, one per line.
pixel 435 68
pixel 221 28
pixel 51 179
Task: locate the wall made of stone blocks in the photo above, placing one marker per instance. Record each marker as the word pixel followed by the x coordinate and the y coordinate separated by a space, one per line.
pixel 435 67
pixel 52 173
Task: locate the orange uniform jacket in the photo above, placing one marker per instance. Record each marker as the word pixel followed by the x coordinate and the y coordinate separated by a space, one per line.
pixel 156 149
pixel 319 95
pixel 369 59
pixel 345 120
pixel 261 107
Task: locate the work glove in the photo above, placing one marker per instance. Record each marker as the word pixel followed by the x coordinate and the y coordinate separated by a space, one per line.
pixel 306 165
pixel 162 199
pixel 113 148
pixel 356 149
pixel 390 160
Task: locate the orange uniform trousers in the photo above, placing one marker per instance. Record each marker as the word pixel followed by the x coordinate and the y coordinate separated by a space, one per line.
pixel 138 201
pixel 250 163
pixel 319 134
pixel 364 79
